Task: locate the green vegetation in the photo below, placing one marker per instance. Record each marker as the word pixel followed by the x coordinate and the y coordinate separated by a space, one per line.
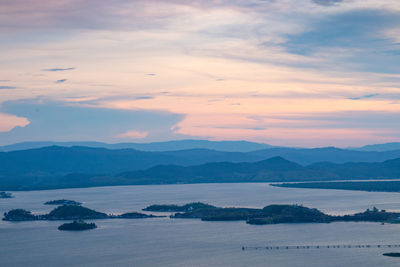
pixel 5 195
pixel 176 208
pixel 77 226
pixel 62 202
pixel 377 186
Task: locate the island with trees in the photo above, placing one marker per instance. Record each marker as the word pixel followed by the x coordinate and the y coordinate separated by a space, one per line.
pixel 392 254
pixel 69 212
pixel 6 195
pixel 176 208
pixel 271 214
pixel 62 202
pixel 274 214
pixel 77 225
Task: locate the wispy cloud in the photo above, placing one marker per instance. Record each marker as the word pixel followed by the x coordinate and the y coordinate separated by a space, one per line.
pixel 144 97
pixel 59 69
pixel 61 81
pixel 364 97
pixel 7 87
pixel 327 2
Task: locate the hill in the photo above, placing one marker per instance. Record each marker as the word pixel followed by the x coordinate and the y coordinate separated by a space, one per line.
pixel 56 160
pixel 379 147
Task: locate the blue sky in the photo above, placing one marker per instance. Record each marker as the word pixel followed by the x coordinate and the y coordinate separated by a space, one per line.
pixel 284 72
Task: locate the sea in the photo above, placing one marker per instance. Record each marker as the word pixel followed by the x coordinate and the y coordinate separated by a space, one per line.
pixel 192 242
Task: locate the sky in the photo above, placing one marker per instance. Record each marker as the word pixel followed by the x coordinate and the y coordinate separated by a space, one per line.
pixel 306 73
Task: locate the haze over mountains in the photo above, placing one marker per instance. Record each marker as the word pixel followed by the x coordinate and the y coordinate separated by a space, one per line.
pixel 275 169
pixel 229 146
pixel 80 166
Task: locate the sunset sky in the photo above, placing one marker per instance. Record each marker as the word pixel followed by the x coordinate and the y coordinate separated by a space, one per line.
pixel 304 73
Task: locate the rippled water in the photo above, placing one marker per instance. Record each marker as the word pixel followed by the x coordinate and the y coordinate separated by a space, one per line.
pixel 186 242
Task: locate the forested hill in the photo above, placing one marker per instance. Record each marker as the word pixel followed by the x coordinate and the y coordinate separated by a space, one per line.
pixel 271 170
pixel 64 160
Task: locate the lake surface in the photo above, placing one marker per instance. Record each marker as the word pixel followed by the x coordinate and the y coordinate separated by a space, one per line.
pixel 187 242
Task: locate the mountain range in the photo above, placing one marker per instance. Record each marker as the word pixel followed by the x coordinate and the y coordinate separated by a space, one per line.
pixel 63 167
pixel 228 146
pixel 275 169
pixel 57 160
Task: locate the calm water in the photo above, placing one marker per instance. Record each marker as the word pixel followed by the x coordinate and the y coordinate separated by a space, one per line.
pixel 178 242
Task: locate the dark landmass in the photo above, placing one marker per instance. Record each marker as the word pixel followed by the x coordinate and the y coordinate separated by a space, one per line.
pixel 136 215
pixel 62 202
pixel 68 212
pixel 73 212
pixel 392 254
pixel 274 214
pixel 71 167
pixel 275 169
pixel 176 208
pixel 19 215
pixel 372 186
pixel 77 226
pixel 6 195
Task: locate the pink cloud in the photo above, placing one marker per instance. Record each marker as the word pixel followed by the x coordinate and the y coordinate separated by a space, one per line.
pixel 133 134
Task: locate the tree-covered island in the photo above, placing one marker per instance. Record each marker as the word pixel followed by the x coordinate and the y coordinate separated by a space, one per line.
pixel 69 212
pixel 274 214
pixel 77 226
pixel 62 202
pixel 6 195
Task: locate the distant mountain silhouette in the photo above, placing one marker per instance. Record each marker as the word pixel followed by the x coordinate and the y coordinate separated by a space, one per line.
pixel 378 147
pixel 230 146
pixel 276 169
pixel 58 167
pixel 311 155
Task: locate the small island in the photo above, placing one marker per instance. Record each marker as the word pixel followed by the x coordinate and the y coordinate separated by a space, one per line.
pixel 63 202
pixel 6 195
pixel 392 254
pixel 136 215
pixel 274 214
pixel 176 208
pixel 70 212
pixel 17 215
pixel 77 226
